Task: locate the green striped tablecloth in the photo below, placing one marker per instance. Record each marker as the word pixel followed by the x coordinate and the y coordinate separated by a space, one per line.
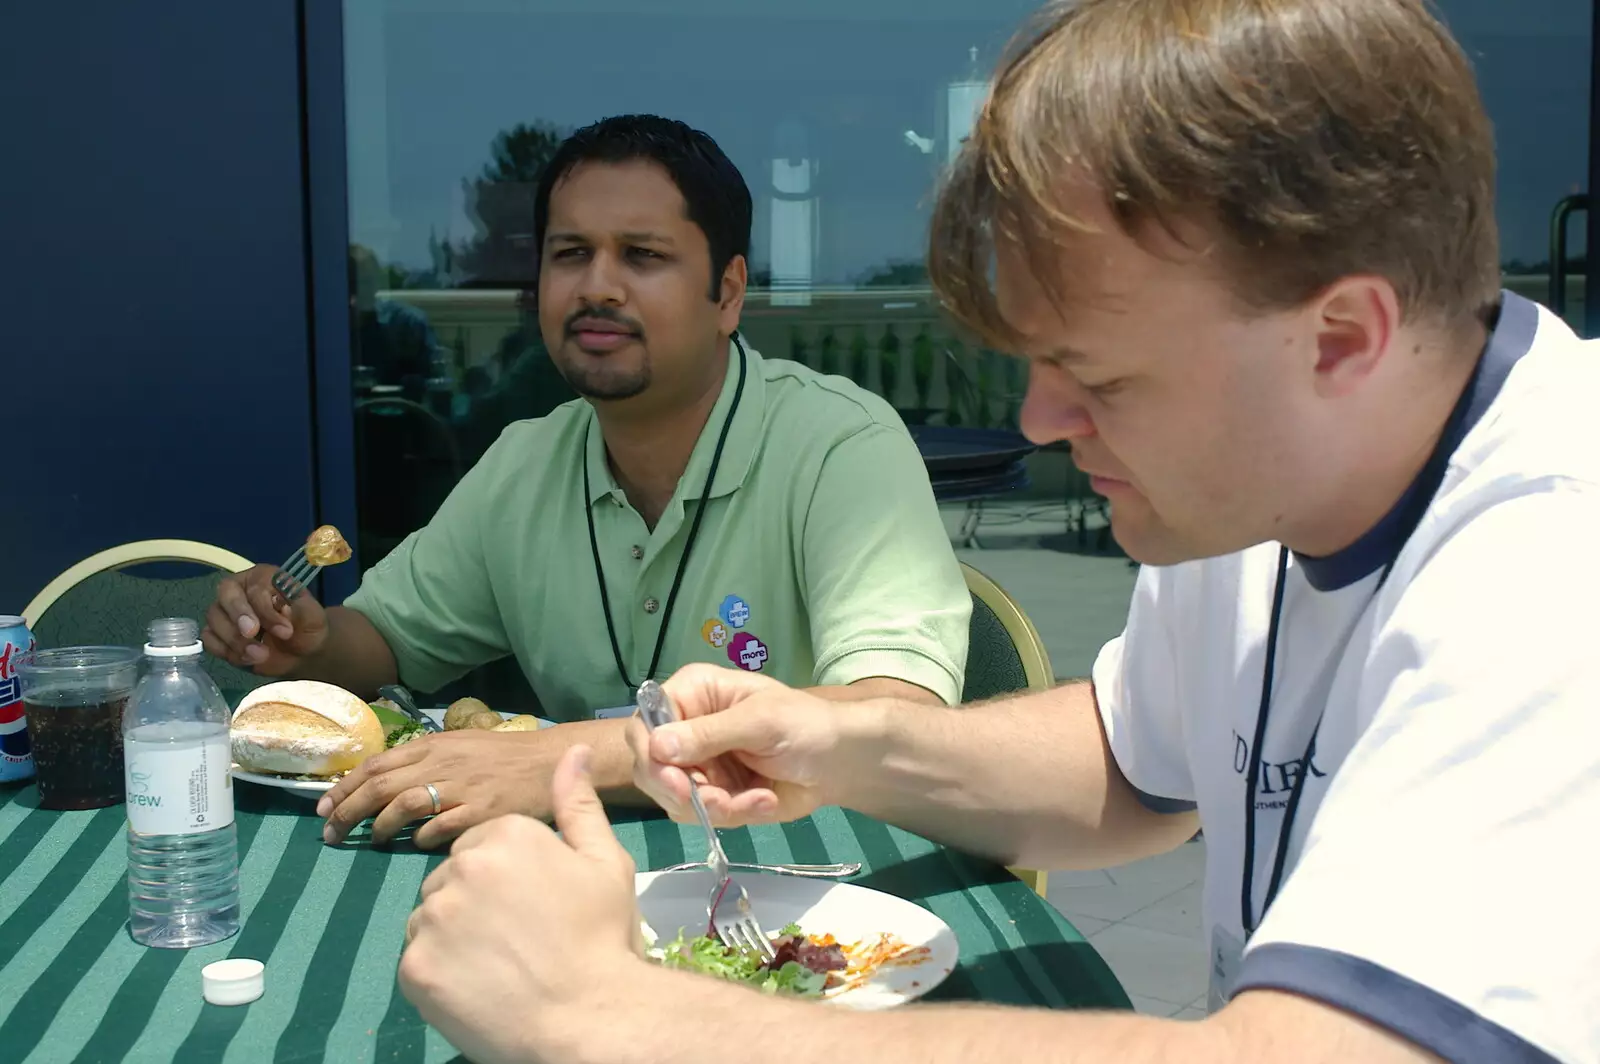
pixel 329 923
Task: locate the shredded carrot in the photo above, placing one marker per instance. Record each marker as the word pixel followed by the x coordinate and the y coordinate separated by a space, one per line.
pixel 863 959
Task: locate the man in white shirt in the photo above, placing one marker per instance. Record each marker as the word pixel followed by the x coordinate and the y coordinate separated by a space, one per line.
pixel 1248 247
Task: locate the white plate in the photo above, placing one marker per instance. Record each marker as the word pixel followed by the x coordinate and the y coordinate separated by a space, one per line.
pixel 314 789
pixel 672 900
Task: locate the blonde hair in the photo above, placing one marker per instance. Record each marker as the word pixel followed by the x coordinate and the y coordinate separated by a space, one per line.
pixel 1309 139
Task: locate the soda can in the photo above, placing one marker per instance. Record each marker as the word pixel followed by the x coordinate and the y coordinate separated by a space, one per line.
pixel 16 754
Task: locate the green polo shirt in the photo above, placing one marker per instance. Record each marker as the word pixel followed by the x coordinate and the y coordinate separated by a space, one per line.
pixel 821 559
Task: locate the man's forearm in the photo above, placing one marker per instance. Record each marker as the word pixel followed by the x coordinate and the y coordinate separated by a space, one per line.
pixel 1260 1027
pixel 877 687
pixel 1029 780
pixel 650 1030
pixel 355 656
pixel 610 760
pixel 611 765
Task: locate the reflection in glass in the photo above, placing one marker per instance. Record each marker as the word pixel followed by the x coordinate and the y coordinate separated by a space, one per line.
pixel 841 116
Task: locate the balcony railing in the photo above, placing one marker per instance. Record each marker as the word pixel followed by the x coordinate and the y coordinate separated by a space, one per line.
pixel 893 341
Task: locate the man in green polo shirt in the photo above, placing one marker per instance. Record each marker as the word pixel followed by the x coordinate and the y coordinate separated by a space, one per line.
pixel 700 503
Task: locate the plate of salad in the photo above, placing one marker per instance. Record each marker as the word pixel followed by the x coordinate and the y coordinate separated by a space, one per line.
pixel 835 942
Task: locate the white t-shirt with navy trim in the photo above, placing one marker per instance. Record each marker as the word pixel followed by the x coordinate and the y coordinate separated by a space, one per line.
pixel 1443 872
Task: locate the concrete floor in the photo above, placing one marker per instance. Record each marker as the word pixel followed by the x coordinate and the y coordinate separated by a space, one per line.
pixel 1144 918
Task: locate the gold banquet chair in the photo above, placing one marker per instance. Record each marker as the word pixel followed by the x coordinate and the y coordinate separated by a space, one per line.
pixel 97 603
pixel 1004 655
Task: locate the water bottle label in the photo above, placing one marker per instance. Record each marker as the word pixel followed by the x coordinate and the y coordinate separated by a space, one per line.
pixel 179 789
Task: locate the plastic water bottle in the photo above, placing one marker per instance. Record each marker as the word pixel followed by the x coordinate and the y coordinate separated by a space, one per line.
pixel 183 854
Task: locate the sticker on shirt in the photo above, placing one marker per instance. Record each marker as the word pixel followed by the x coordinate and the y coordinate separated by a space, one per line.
pixel 734 611
pixel 1226 951
pixel 715 632
pixel 747 652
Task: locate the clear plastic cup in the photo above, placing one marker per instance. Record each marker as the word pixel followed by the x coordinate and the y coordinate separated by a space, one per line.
pixel 74 698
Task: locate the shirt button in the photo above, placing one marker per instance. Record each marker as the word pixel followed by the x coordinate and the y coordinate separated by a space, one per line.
pixel 651 605
pixel 637 552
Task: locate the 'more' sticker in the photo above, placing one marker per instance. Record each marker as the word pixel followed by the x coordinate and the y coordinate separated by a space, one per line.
pixel 747 652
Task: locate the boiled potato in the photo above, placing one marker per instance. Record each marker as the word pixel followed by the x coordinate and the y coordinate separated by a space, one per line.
pixel 487 720
pixel 521 722
pixel 326 546
pixel 463 710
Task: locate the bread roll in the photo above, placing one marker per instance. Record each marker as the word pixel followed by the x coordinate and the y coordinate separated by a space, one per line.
pixel 304 728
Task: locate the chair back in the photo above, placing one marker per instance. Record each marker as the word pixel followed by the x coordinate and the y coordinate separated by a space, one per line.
pixel 1004 655
pixel 98 603
pixel 1004 651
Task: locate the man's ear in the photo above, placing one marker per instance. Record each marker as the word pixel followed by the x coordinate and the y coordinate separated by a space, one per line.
pixel 730 295
pixel 1356 320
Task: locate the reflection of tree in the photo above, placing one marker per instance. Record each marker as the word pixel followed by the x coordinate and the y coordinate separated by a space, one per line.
pixel 502 254
pixel 443 272
pixel 1576 262
pixel 896 274
pixel 529 386
pixel 500 203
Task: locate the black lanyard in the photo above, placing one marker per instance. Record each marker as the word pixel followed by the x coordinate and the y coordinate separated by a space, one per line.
pixel 1421 497
pixel 683 562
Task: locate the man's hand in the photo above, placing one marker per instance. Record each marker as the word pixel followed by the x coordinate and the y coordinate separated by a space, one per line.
pixel 479 775
pixel 762 752
pixel 523 938
pixel 247 605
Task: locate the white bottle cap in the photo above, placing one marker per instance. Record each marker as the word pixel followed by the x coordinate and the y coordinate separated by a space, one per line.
pixel 233 982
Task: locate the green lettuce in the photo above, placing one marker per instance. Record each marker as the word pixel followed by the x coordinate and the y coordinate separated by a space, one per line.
pixel 397 727
pixel 709 956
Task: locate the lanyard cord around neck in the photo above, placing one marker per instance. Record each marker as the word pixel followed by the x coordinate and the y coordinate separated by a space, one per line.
pixel 1426 487
pixel 683 562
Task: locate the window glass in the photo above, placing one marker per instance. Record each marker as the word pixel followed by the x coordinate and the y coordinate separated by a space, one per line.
pixel 840 113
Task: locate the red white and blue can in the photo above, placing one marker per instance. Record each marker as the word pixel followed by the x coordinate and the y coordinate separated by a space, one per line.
pixel 16 754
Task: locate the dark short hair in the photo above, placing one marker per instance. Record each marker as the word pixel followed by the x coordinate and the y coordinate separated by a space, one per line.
pixel 714 193
pixel 1313 139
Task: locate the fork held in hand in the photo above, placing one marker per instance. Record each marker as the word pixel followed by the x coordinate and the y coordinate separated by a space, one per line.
pixel 728 909
pixel 294 576
pixel 291 580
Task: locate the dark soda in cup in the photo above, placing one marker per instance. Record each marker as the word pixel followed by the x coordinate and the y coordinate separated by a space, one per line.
pixel 74 698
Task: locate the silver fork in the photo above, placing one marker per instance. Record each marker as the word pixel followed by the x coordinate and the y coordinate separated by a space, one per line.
pixel 294 576
pixel 291 580
pixel 804 871
pixel 728 909
pixel 408 705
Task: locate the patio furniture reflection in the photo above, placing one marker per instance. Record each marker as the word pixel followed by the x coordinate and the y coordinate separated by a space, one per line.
pixel 408 461
pixel 973 466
